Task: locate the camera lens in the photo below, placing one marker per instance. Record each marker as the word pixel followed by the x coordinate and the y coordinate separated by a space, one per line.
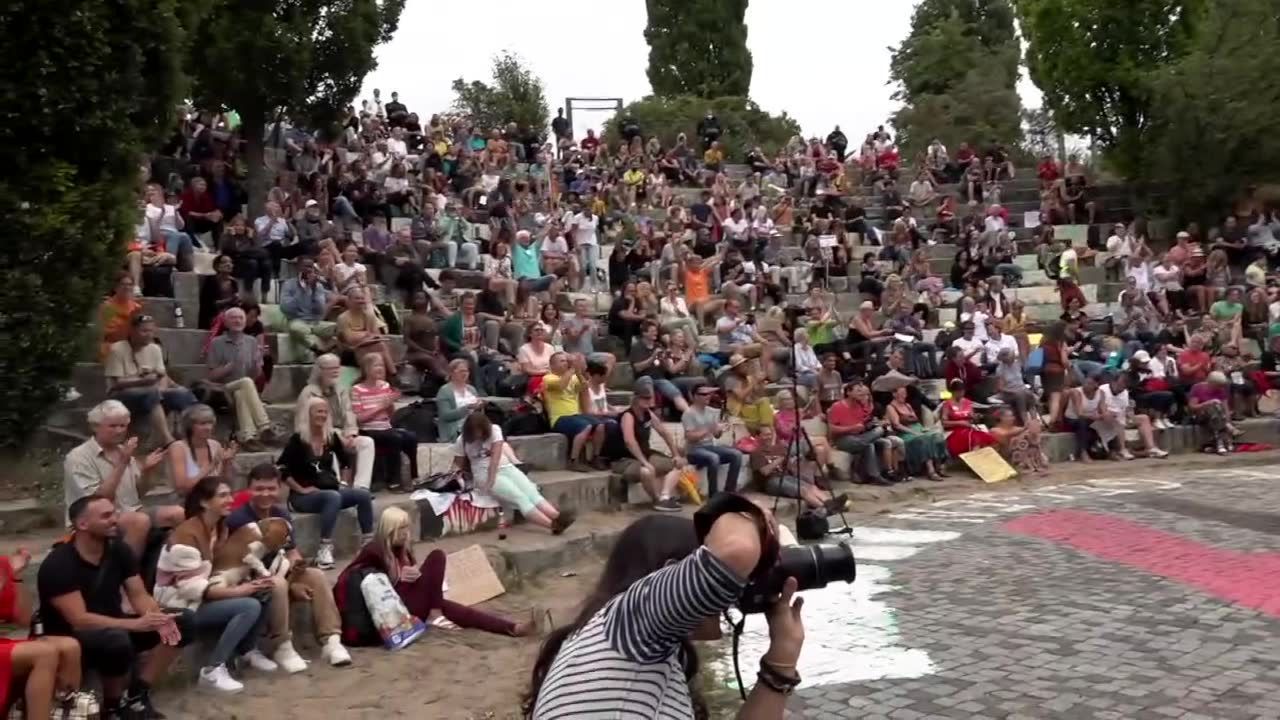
pixel 813 567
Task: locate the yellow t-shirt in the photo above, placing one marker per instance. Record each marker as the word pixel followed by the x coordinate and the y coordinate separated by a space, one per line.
pixel 561 396
pixel 633 177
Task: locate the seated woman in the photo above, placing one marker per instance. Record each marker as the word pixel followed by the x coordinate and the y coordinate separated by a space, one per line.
pixel 807 364
pixel 493 471
pixel 455 400
pixel 745 394
pixel 420 587
pixel 1209 403
pixel 787 423
pixel 1020 444
pixel 910 322
pixel 218 292
pixel 422 345
pixel 45 672
pixel 116 311
pixel 775 473
pixel 316 465
pixel 196 455
pixel 865 340
pixel 373 400
pixel 234 612
pixel 926 449
pixel 957 415
pixel 534 358
pixel 1084 406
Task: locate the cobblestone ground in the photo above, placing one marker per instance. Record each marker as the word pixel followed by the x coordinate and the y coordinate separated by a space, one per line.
pixel 1154 597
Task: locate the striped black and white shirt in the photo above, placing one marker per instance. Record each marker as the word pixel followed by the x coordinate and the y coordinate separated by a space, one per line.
pixel 625 663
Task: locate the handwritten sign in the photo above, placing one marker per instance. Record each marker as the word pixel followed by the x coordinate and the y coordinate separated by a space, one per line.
pixel 469 579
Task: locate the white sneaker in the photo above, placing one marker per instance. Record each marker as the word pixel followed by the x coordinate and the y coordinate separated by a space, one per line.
pixel 1168 424
pixel 71 395
pixel 324 556
pixel 1222 449
pixel 260 662
pixel 217 678
pixel 1157 453
pixel 1126 455
pixel 288 658
pixel 334 653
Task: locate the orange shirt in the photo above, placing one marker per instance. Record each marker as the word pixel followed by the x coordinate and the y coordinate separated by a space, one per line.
pixel 697 284
pixel 114 318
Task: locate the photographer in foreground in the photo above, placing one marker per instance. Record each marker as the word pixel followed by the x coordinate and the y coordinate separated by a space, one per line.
pixel 629 653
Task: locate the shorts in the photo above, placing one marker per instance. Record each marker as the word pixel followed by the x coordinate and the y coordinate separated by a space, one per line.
pixel 571 425
pixel 787 486
pixel 538 284
pixel 630 468
pixel 113 652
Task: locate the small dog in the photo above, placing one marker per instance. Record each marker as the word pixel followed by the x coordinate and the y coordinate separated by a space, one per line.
pixel 253 551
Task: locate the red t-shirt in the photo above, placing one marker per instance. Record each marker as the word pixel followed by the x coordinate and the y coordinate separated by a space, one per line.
pixel 590 143
pixel 202 203
pixel 850 414
pixel 1193 357
pixel 1204 392
pixel 1048 171
pixel 964 156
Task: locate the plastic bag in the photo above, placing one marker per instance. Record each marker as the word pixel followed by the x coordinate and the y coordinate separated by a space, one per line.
pixel 392 619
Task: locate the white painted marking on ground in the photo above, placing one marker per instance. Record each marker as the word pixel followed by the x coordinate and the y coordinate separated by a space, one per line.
pixel 851 634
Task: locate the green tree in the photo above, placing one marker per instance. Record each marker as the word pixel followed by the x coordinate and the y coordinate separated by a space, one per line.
pixel 303 59
pixel 744 123
pixel 1094 61
pixel 84 92
pixel 516 96
pixel 1212 127
pixel 957 74
pixel 698 48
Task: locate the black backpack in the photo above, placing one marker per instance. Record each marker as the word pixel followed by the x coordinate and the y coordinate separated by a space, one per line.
pixel 418 418
pixel 358 629
pixel 1053 267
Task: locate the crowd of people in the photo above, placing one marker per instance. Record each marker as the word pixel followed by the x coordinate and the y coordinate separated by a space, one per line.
pixel 463 240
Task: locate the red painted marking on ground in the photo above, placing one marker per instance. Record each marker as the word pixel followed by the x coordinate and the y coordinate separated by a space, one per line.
pixel 1248 579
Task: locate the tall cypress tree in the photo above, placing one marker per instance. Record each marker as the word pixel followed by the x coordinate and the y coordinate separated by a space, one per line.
pixel 698 48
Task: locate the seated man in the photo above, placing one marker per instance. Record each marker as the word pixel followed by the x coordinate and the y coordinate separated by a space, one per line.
pixel 702 425
pixel 306 584
pixel 306 304
pixel 81 585
pixel 1115 416
pixel 235 360
pixel 455 233
pixel 104 465
pixel 854 429
pixel 736 332
pixel 136 377
pixel 636 461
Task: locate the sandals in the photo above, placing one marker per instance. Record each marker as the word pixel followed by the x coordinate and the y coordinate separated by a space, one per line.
pixel 443 623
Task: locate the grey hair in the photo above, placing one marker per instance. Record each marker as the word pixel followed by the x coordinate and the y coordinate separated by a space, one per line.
pixel 106 410
pixel 234 310
pixel 317 371
pixel 192 415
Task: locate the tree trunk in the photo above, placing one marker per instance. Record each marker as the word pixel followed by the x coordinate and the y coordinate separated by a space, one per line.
pixel 253 126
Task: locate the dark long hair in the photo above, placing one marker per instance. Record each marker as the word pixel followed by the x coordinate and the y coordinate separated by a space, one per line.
pixel 647 545
pixel 203 491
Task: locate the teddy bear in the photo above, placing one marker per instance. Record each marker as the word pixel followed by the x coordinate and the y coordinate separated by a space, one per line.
pixel 181 578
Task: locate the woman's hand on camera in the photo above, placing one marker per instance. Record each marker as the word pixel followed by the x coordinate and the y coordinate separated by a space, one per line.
pixel 786 630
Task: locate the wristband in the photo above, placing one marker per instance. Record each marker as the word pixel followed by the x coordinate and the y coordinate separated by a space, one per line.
pixel 776 681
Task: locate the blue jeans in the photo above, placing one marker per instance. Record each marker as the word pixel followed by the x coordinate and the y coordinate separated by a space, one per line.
pixel 666 388
pixel 710 457
pixel 240 620
pixel 141 401
pixel 572 425
pixel 328 503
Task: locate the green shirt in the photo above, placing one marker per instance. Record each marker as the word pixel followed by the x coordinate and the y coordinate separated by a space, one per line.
pixel 1223 310
pixel 821 332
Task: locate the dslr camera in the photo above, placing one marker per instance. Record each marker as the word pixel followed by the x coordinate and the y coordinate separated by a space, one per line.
pixel 813 566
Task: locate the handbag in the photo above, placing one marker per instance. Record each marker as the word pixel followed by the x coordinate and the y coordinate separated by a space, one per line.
pixel 812 525
pixel 450 481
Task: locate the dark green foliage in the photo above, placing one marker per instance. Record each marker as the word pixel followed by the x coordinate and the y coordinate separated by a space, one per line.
pixel 82 92
pixel 303 58
pixel 743 122
pixel 1212 130
pixel 516 96
pixel 698 48
pixel 957 74
pixel 1094 61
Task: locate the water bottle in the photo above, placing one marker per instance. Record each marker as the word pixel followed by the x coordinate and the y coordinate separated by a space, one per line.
pixel 178 322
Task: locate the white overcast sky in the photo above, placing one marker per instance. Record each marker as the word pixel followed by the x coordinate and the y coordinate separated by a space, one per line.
pixel 822 61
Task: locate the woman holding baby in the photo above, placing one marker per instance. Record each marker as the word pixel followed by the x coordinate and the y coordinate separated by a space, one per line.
pixel 238 610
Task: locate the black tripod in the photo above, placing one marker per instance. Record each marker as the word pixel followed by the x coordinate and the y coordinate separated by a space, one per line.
pixel 795 450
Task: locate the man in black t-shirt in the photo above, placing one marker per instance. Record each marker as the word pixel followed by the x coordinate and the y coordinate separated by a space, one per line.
pixel 80 586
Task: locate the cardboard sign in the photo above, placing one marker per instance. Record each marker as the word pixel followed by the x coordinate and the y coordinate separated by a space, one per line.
pixel 988 465
pixel 469 579
pixel 827 241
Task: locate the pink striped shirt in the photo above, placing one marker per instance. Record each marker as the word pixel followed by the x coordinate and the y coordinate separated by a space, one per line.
pixel 367 404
